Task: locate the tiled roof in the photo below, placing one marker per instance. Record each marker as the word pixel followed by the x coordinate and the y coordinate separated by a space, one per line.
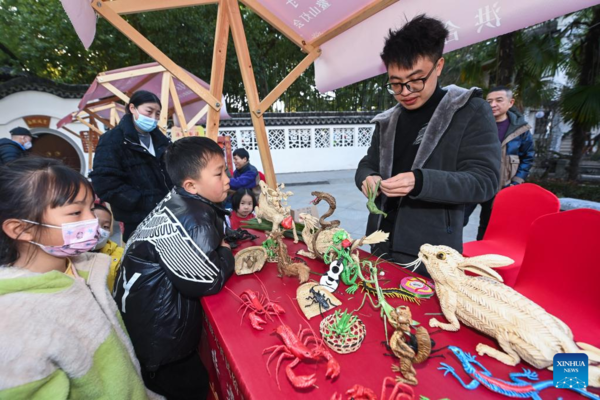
pixel 302 118
pixel 22 83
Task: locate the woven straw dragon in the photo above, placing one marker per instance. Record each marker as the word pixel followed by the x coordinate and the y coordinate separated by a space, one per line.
pixel 523 329
pixel 272 207
pixel 318 233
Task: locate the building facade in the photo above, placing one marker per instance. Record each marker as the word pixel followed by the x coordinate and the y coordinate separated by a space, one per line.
pixel 299 142
pixel 38 104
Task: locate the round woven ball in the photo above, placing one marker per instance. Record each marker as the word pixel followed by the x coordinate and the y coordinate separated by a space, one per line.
pixel 335 342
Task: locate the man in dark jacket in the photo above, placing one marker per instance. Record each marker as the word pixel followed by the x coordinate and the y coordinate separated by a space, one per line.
pixel 11 149
pixel 245 175
pixel 127 175
pixel 432 153
pixel 514 135
pixel 176 255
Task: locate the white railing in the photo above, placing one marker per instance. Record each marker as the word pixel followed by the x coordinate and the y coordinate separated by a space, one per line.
pixel 306 148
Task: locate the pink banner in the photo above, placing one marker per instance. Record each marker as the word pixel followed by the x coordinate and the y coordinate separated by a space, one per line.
pixel 311 18
pixel 83 18
pixel 354 55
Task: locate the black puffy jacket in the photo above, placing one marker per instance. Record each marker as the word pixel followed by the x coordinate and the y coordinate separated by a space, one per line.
pixel 172 258
pixel 126 175
pixel 10 150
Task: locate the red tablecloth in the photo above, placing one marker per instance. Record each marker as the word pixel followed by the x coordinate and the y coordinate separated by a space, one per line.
pixel 232 350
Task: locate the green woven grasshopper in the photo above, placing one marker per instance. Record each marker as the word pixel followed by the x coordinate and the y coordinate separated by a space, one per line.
pixel 342 325
pixel 372 194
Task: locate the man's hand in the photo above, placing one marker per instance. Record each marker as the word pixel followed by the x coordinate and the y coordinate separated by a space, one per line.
pixel 399 185
pixel 371 181
pixel 225 244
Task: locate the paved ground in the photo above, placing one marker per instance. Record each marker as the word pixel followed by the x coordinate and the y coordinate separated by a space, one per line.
pixel 351 204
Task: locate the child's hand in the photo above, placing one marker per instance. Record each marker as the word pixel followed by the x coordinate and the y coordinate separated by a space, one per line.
pixel 225 244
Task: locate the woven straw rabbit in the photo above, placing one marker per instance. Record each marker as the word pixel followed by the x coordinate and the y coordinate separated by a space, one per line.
pixel 523 329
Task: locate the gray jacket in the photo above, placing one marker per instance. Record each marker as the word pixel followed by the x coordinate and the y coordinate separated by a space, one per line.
pixel 459 158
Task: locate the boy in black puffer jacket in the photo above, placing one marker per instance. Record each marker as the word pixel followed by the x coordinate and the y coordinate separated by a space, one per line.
pixel 176 255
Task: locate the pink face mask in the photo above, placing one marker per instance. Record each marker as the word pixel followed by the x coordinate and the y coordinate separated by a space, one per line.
pixel 79 237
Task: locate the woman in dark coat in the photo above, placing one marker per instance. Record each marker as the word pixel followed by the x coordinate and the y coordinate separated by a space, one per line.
pixel 129 172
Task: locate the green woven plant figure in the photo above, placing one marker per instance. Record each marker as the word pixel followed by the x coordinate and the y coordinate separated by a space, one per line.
pixel 271 246
pixel 342 325
pixel 381 303
pixel 341 247
pixel 371 195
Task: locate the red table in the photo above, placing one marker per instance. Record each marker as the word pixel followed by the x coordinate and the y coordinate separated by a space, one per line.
pixel 232 351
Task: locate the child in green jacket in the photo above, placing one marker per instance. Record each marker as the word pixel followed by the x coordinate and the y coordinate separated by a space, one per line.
pixel 61 335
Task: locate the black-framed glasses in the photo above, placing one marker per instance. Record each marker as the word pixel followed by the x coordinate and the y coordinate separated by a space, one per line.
pixel 413 86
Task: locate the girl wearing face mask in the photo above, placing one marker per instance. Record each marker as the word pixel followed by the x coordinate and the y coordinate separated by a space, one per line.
pixel 61 337
pixel 128 170
pixel 106 246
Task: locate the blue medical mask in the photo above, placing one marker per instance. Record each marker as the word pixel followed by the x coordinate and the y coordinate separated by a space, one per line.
pixel 27 145
pixel 146 124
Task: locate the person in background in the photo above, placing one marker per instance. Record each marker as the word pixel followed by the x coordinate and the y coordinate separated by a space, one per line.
pixel 128 171
pixel 106 246
pixel 61 337
pixel 14 148
pixel 243 203
pixel 245 175
pixel 432 153
pixel 514 134
pixel 175 256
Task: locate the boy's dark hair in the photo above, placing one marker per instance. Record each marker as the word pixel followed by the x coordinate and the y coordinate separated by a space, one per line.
pixel 502 88
pixel 28 186
pixel 420 37
pixel 242 153
pixel 186 157
pixel 236 199
pixel 142 97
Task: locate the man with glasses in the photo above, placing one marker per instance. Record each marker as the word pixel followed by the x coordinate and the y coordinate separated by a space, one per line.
pixel 432 153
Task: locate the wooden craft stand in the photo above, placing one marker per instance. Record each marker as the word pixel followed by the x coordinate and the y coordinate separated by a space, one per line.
pixel 228 18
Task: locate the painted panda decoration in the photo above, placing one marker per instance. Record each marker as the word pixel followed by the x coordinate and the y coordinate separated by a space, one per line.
pixel 331 279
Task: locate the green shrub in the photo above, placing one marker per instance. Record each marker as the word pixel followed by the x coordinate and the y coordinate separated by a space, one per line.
pixel 584 191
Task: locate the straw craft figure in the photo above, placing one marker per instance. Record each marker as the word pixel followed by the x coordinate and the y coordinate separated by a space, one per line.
pixel 523 329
